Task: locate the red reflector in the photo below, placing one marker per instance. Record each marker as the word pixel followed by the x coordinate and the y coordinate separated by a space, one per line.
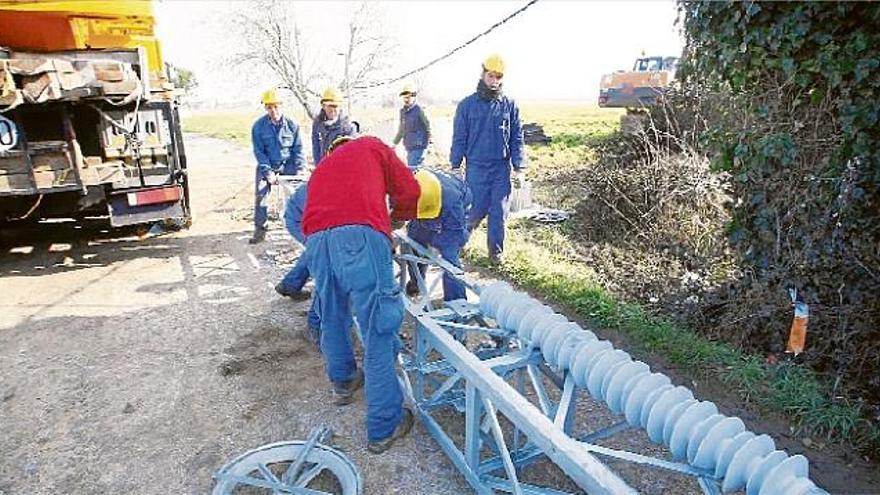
pixel 153 196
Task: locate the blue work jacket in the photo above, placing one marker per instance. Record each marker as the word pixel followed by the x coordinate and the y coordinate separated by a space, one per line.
pixel 451 224
pixel 293 213
pixel 414 130
pixel 277 146
pixel 487 131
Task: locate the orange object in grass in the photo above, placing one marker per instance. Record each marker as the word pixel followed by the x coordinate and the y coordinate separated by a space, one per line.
pixel 797 335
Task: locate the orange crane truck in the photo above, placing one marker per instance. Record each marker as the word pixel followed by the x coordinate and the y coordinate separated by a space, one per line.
pixel 89 122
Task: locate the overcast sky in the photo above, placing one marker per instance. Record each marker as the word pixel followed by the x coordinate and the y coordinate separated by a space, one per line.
pixel 556 50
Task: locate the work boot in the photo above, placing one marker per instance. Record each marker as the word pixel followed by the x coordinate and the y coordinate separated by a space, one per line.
pixel 495 258
pixel 296 295
pixel 259 236
pixel 405 425
pixel 412 288
pixel 343 392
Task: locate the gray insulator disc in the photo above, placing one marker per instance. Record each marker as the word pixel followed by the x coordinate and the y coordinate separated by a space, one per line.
pixel 661 409
pixel 678 441
pixel 619 380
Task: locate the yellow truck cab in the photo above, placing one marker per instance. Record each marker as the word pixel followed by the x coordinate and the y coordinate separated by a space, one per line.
pixel 88 119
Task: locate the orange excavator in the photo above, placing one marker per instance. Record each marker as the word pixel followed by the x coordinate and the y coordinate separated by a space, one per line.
pixel 89 123
pixel 641 87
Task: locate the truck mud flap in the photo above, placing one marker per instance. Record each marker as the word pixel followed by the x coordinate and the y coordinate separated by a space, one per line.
pixel 144 206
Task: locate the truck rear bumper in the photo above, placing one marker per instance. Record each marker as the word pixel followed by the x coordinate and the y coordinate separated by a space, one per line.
pixel 146 205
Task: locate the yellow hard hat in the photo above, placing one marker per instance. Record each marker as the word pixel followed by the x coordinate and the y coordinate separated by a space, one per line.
pixel 408 89
pixel 430 198
pixel 494 63
pixel 338 142
pixel 330 95
pixel 270 97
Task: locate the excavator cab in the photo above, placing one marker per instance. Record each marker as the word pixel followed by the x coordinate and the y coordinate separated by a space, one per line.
pixel 641 87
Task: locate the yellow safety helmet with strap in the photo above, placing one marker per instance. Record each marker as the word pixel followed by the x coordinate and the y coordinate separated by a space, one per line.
pixel 430 197
pixel 270 97
pixel 331 96
pixel 408 89
pixel 494 63
pixel 338 142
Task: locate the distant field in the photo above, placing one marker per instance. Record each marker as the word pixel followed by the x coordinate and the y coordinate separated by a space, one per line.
pixel 573 127
pixel 234 126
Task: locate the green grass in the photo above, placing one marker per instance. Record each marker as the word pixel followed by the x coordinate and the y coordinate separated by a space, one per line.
pixel 575 131
pixel 232 126
pixel 544 264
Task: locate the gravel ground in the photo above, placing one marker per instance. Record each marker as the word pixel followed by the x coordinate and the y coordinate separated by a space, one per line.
pixel 134 364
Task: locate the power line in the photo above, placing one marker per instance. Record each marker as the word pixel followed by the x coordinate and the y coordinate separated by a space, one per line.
pixel 451 52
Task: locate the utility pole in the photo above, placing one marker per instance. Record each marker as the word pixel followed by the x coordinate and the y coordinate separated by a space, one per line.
pixel 347 88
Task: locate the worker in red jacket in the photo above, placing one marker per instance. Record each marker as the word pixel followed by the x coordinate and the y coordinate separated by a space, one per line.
pixel 348 229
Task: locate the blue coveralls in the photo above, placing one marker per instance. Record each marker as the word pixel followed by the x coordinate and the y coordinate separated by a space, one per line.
pixel 278 149
pixel 324 135
pixel 448 232
pixel 415 132
pixel 488 136
pixel 297 277
pixel 352 263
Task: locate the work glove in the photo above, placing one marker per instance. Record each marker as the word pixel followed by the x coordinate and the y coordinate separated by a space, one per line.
pixel 518 179
pixel 272 178
pixel 457 172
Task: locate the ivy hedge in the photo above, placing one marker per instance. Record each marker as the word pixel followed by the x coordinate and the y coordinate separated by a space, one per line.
pixel 794 118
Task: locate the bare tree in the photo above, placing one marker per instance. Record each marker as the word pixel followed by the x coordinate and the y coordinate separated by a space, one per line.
pixel 369 51
pixel 268 34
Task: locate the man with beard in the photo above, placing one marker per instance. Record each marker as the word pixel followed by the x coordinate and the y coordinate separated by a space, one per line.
pixel 488 137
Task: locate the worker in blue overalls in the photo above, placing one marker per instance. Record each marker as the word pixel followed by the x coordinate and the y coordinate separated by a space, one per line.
pixel 348 226
pixel 414 129
pixel 442 226
pixel 278 150
pixel 293 282
pixel 487 136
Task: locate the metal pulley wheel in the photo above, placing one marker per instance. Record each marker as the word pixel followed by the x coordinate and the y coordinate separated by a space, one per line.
pixel 297 467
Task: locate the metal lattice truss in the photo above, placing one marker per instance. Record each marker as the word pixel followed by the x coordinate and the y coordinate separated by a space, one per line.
pixel 497 362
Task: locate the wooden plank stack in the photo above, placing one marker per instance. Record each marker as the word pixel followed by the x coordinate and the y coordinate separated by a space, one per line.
pixel 52 168
pixel 42 79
